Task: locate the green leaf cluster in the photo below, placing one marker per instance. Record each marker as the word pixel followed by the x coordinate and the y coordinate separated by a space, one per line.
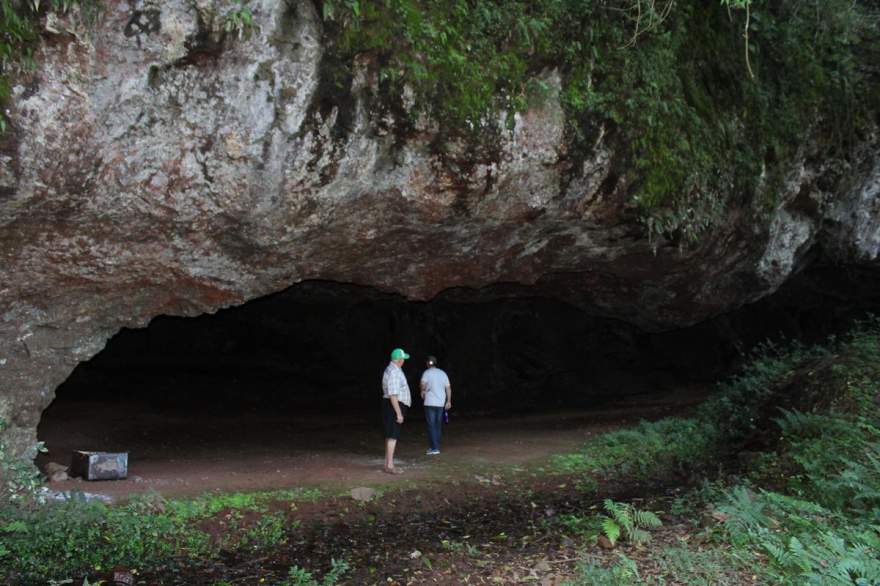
pixel 833 459
pixel 842 373
pixel 239 20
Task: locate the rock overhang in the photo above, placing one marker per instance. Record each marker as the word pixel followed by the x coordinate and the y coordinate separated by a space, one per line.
pixel 155 170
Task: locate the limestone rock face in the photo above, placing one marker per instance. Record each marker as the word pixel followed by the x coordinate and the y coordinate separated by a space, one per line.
pixel 855 220
pixel 159 166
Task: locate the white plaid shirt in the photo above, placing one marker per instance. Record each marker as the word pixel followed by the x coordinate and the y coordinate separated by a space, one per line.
pixel 394 383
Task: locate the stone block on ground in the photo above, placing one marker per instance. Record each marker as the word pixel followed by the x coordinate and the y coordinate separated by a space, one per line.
pixel 99 465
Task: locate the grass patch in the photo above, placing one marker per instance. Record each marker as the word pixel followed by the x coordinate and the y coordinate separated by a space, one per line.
pixel 77 538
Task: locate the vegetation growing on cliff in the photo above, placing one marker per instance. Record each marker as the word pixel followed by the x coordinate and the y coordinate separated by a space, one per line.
pixel 19 35
pixel 16 36
pixel 712 100
pixel 709 103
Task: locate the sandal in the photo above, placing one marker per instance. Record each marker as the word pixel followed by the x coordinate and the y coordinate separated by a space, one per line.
pixel 392 470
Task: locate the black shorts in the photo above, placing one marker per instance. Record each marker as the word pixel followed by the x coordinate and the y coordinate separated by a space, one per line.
pixel 389 419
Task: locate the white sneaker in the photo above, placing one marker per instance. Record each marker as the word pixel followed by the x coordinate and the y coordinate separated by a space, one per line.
pixel 432 453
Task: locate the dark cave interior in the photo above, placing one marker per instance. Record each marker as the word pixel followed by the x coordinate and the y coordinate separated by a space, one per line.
pixel 321 347
pixel 311 358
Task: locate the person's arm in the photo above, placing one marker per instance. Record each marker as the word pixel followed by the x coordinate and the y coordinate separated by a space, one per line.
pixel 424 387
pixel 448 397
pixel 396 406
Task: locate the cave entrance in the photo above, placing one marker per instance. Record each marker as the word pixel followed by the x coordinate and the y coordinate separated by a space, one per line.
pixel 284 390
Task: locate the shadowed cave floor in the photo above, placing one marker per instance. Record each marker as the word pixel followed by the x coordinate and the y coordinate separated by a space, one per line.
pixel 177 453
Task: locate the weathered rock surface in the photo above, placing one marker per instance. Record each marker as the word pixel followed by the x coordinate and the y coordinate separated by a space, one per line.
pixel 157 167
pixel 56 472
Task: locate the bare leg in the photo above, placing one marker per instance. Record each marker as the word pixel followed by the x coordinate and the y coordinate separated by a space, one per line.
pixel 390 444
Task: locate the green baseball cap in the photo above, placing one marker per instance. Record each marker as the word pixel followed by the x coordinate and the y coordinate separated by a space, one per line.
pixel 398 353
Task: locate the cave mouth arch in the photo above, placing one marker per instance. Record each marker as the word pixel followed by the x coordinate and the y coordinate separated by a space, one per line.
pixel 247 395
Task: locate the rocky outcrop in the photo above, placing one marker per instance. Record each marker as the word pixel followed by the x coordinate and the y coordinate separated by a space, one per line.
pixel 159 165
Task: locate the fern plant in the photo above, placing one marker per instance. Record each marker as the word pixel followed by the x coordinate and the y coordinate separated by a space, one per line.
pixel 624 520
pixel 803 539
pixel 838 457
pixel 826 560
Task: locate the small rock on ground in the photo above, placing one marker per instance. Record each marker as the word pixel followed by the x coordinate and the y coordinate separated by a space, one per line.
pixel 59 476
pixel 362 493
pixel 604 542
pixel 53 467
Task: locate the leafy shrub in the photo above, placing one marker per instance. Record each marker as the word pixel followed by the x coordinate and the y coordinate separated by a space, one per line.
pixel 79 537
pixel 269 530
pixel 741 406
pixel 820 522
pixel 735 410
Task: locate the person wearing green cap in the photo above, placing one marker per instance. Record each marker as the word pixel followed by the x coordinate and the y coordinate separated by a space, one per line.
pixel 396 400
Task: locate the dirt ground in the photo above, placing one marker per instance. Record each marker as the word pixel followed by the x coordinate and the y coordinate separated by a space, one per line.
pixel 179 454
pixel 483 512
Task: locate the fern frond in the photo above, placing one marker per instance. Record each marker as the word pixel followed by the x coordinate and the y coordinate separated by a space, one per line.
pixel 799 555
pixel 646 519
pixel 611 530
pixel 779 555
pixel 639 536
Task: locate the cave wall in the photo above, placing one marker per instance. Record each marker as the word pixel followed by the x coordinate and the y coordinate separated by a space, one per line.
pixel 156 168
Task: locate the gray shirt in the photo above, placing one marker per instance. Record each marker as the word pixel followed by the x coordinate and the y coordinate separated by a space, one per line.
pixel 435 382
pixel 394 383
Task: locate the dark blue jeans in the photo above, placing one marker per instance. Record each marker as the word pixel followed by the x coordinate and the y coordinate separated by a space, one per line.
pixel 434 417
